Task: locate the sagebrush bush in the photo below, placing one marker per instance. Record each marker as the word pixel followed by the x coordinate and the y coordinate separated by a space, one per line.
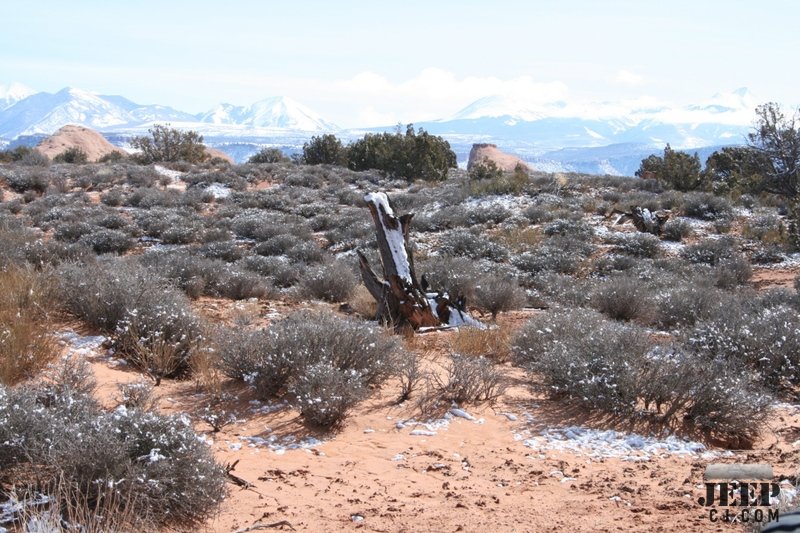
pixel 637 244
pixel 710 251
pixel 490 343
pixel 154 464
pixel 455 276
pixel 333 281
pixel 677 229
pixel 497 294
pixel 556 254
pixel 469 380
pixel 615 367
pixel 576 229
pixel 706 206
pixel 624 298
pixel 339 350
pixel 465 244
pixel 583 356
pixel 153 324
pixel 765 340
pixel 104 241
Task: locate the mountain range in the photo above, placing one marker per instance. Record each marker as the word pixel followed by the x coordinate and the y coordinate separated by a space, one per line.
pixel 605 137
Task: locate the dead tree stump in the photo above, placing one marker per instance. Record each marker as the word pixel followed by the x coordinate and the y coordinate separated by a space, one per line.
pixel 645 220
pixel 402 302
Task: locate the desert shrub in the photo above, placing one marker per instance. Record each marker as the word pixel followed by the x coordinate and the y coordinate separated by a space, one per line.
pixel 495 213
pixel 575 229
pixel 333 281
pixel 35 158
pixel 455 276
pixel 104 241
pixel 305 252
pixel 315 357
pixel 468 380
pixel 677 229
pixel 495 294
pixel 225 250
pixel 766 228
pixel 765 340
pixel 73 155
pixel 609 263
pixel 583 356
pixel 556 254
pixel 797 284
pixel 25 345
pixel 158 333
pixel 277 245
pixel 710 251
pixel 324 393
pixel 638 244
pixel 538 214
pixel 485 169
pixel 681 305
pixel 732 272
pixel 623 298
pixel 23 180
pixel 466 244
pixel 153 465
pixel 238 285
pixel 506 183
pixel 152 323
pixel 706 206
pixel 41 253
pixel 766 254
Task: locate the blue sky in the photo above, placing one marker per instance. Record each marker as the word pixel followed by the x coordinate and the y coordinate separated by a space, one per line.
pixel 370 63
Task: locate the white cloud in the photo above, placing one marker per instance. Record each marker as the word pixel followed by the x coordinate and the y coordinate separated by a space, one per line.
pixel 626 77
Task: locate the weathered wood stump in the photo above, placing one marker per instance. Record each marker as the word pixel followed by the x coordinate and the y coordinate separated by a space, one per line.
pixel 645 220
pixel 401 300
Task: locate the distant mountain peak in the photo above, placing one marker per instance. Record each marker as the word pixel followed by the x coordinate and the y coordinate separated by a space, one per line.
pixel 279 112
pixel 13 93
pixel 495 106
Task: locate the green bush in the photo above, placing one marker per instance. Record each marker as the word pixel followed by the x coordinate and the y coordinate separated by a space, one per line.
pixel 165 144
pixel 326 149
pixel 268 155
pixel 72 155
pixel 415 155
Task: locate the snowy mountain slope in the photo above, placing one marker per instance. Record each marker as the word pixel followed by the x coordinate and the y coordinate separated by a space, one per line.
pixel 13 93
pixel 276 112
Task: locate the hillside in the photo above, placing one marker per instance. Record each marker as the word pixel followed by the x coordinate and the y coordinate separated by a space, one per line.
pixel 90 142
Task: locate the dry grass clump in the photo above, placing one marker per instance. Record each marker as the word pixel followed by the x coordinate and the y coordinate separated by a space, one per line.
pixel 493 344
pixel 25 346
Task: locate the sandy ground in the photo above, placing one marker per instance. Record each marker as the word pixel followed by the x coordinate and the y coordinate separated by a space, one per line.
pixel 386 470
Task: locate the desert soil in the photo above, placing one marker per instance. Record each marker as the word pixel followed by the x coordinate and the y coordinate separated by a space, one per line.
pixel 385 470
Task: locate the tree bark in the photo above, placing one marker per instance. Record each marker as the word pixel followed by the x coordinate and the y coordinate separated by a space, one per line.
pixel 645 220
pixel 401 300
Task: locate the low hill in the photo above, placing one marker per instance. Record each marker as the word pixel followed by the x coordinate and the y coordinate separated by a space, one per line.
pixel 92 143
pixel 504 161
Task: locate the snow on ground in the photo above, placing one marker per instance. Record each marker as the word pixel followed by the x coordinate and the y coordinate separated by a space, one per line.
pixel 79 344
pixel 218 190
pixel 609 443
pixel 277 444
pixel 164 171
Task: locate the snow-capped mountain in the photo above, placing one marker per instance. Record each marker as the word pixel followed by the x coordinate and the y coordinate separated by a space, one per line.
pixel 44 113
pixel 278 112
pixel 13 93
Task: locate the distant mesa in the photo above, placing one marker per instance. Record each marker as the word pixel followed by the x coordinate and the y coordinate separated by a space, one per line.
pixel 71 136
pixel 489 152
pixel 214 153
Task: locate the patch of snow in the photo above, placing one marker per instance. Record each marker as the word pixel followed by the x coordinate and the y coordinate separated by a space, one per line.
pixel 610 443
pixel 174 175
pixel 510 416
pixel 455 411
pixel 422 432
pixel 80 344
pixel 218 190
pixel 280 445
